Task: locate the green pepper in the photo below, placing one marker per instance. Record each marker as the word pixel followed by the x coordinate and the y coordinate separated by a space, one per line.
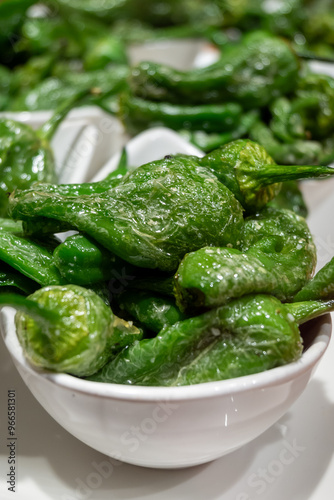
pixel 152 311
pixel 51 35
pixel 250 72
pixel 82 261
pixel 299 152
pixel 137 114
pixel 68 329
pixel 26 155
pixel 320 287
pixel 313 104
pixel 260 338
pixel 251 174
pixel 14 281
pixel 272 241
pixel 251 334
pixel 44 226
pixel 30 258
pixel 157 213
pixel 277 265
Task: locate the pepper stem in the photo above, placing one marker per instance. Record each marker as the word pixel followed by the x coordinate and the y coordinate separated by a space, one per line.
pixel 42 316
pixel 304 311
pixel 271 174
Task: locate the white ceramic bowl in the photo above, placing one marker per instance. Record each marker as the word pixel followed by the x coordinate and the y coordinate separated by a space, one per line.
pixel 170 427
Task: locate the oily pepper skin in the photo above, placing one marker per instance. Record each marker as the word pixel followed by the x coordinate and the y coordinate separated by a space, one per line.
pixel 259 322
pixel 157 213
pixel 276 255
pixel 259 338
pixel 68 329
pixel 42 226
pixel 212 276
pixel 249 72
pixel 82 262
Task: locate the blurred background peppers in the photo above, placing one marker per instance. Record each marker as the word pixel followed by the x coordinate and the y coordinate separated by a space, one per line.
pixel 261 86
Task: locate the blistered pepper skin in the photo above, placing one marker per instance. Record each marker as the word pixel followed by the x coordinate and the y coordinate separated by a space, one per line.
pixel 159 212
pixel 69 329
pixel 276 255
pixel 246 336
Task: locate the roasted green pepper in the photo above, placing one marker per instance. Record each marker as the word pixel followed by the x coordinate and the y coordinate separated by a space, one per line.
pixel 251 174
pixel 156 214
pixel 250 72
pixel 246 336
pixel 69 329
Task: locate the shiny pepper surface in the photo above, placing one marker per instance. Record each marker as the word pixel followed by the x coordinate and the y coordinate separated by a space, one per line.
pixel 156 214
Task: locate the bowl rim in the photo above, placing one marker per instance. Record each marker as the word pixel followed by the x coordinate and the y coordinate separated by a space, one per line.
pixel 262 380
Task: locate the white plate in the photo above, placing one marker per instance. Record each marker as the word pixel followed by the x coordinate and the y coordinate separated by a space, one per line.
pixel 293 459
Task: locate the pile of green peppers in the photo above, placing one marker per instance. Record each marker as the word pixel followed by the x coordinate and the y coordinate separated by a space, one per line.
pixel 181 271
pixel 260 88
pixel 185 270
